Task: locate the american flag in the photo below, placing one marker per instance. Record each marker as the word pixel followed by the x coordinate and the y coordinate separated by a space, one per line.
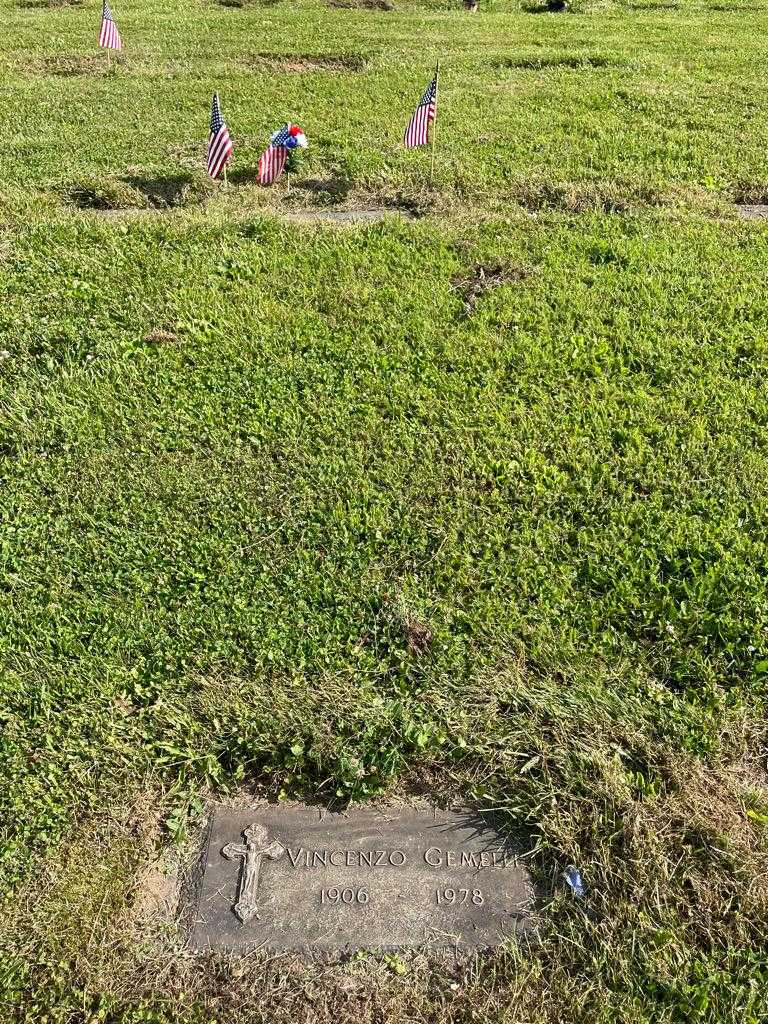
pixel 417 132
pixel 272 164
pixel 109 37
pixel 272 160
pixel 220 148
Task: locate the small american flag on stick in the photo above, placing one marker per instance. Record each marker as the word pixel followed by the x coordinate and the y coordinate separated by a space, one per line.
pixel 272 161
pixel 220 148
pixel 417 132
pixel 109 37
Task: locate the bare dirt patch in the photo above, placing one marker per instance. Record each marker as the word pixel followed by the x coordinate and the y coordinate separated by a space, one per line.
pixel 364 5
pixel 756 211
pixel 160 336
pixel 418 636
pixel 156 894
pixel 572 62
pixel 485 279
pixel 47 5
pixel 306 63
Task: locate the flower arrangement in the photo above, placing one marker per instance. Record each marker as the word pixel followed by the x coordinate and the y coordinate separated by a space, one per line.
pixel 292 137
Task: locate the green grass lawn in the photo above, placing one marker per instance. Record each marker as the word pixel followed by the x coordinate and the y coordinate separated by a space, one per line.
pixel 290 508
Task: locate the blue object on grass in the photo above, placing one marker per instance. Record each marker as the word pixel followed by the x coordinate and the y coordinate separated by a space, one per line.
pixel 572 875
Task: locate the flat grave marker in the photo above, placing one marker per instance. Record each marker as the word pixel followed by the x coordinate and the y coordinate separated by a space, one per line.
pixel 301 878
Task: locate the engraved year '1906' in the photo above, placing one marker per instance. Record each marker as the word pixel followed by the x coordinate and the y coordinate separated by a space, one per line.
pixel 335 896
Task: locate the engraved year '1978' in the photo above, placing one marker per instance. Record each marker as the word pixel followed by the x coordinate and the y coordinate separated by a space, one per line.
pixel 459 897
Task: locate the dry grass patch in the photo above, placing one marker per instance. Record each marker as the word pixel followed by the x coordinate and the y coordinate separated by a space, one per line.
pixel 655 5
pixel 365 5
pixel 299 64
pixel 161 336
pixel 138 192
pixel 46 5
pixel 674 852
pixel 581 197
pixel 750 193
pixel 484 279
pixel 169 190
pixel 107 195
pixel 573 62
pixel 239 4
pixel 106 905
pixel 72 67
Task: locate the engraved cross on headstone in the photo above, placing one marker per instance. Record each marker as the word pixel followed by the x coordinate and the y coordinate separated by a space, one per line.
pixel 255 848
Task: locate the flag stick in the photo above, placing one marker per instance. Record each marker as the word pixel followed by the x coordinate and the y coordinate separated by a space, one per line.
pixel 226 183
pixel 434 124
pixel 109 60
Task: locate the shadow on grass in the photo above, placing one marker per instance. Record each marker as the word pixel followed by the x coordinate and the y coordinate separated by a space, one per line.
pixel 547 7
pixel 138 192
pixel 87 198
pixel 324 190
pixel 166 191
pixel 327 190
pixel 244 175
